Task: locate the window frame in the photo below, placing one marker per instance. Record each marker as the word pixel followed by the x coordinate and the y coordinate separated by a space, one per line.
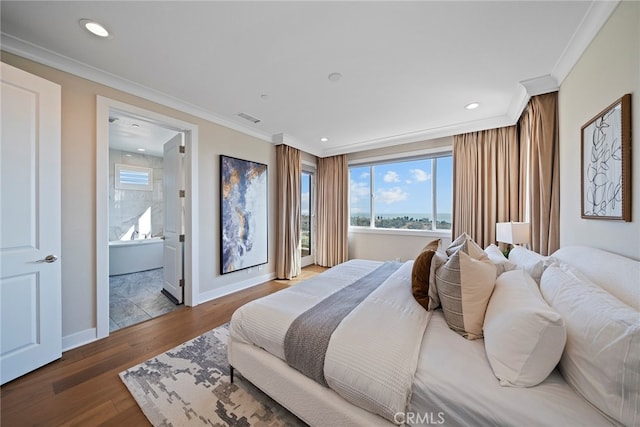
pixel 119 185
pixel 311 169
pixel 428 154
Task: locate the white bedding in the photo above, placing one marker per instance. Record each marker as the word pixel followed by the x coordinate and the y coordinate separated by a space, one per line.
pixel 454 378
pixel 374 374
pixel 453 382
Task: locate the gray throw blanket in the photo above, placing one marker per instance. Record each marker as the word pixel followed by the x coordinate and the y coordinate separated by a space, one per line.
pixel 307 338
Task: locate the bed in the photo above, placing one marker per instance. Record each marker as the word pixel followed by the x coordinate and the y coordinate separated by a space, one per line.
pixel 451 379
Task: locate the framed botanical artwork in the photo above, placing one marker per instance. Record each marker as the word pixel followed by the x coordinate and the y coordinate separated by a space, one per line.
pixel 606 163
pixel 243 214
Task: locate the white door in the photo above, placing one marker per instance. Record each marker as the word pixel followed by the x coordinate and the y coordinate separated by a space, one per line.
pixel 173 211
pixel 30 275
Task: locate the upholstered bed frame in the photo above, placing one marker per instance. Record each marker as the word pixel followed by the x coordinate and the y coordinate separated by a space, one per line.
pixel 320 406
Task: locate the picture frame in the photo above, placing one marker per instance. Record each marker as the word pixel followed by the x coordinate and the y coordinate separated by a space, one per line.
pixel 243 214
pixel 606 163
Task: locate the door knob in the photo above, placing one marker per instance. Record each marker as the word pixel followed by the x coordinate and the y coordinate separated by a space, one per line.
pixel 49 259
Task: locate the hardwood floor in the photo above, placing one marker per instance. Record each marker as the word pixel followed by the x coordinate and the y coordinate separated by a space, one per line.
pixel 83 388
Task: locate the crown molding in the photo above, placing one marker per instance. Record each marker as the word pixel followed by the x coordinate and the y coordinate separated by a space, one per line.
pixel 49 58
pixel 597 15
pixel 422 135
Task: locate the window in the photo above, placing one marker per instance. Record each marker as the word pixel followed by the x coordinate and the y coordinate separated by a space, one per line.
pixel 133 178
pixel 411 194
pixel 305 214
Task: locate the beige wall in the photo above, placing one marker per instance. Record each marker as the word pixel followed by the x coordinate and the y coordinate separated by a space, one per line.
pixel 79 191
pixel 608 69
pixel 383 245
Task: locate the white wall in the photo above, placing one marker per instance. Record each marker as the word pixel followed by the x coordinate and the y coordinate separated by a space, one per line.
pixel 609 68
pixel 384 245
pixel 127 206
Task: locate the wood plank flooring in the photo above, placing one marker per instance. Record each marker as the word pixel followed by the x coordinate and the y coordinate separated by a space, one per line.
pixel 83 388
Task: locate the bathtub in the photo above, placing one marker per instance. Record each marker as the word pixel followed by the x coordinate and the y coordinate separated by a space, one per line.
pixel 131 256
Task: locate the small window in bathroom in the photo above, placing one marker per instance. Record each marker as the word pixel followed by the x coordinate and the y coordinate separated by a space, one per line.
pixel 133 178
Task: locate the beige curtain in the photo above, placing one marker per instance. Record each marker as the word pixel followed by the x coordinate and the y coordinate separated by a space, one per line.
pixel 486 182
pixel 289 171
pixel 332 211
pixel 541 120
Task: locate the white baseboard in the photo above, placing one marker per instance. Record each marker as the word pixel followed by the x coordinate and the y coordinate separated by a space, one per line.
pixel 78 339
pixel 234 287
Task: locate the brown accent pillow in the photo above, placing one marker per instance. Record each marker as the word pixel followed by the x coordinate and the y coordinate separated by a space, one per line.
pixel 420 273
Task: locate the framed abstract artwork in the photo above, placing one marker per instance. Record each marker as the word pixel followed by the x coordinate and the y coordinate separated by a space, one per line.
pixel 243 214
pixel 606 163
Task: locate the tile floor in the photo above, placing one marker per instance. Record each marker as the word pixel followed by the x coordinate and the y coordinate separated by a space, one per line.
pixel 136 297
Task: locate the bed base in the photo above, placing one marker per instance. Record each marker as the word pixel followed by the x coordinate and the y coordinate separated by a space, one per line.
pixel 312 403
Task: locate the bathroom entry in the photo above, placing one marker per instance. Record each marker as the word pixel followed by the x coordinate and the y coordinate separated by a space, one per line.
pixel 173 219
pixel 146 195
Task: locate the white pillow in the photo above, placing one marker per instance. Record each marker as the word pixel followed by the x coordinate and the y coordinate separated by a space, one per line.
pixel 602 355
pixel 614 273
pixel 523 336
pixel 498 259
pixel 532 262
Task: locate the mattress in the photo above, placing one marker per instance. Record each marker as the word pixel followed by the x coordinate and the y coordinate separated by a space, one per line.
pixel 375 375
pixel 264 322
pixel 454 383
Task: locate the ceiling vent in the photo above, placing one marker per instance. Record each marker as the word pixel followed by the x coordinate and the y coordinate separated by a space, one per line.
pixel 248 117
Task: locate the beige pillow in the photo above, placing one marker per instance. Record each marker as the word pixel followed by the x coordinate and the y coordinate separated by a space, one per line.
pixel 438 261
pixel 465 283
pixel 465 242
pixel 420 274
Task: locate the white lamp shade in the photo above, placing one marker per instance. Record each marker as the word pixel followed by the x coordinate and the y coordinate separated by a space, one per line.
pixel 512 232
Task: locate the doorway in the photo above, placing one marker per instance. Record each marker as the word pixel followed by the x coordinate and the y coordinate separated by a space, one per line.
pixel 143 225
pixel 143 180
pixel 307 216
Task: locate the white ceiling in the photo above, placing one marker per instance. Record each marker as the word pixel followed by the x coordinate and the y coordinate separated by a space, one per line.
pixel 408 68
pixel 136 135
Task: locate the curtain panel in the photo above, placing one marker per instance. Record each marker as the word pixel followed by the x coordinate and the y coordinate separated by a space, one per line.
pixel 332 211
pixel 486 180
pixel 541 120
pixel 510 174
pixel 289 170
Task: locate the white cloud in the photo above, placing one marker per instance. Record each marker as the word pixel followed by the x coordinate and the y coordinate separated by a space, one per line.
pixel 359 189
pixel 364 175
pixel 419 175
pixel 304 203
pixel 391 176
pixel 391 195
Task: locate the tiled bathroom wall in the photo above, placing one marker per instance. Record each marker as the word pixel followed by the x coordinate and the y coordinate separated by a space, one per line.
pixel 129 210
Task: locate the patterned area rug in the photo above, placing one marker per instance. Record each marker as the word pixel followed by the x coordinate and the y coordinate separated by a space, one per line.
pixel 189 386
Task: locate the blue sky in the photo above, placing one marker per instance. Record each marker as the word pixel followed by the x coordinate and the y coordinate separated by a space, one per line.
pixel 402 188
pixel 306 191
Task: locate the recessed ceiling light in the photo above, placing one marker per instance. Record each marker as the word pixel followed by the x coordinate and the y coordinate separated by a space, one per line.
pixel 334 77
pixel 94 27
pixel 141 149
pixel 472 106
pixel 324 139
pixel 264 96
